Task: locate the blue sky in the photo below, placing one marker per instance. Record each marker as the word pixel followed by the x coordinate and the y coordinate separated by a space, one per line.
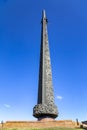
pixel 19 56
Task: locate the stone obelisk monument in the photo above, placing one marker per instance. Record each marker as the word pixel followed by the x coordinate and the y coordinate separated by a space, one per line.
pixel 45 108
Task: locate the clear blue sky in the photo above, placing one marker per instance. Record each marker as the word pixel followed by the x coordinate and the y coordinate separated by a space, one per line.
pixel 19 56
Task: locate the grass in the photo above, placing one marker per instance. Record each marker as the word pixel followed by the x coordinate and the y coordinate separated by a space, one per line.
pixel 56 128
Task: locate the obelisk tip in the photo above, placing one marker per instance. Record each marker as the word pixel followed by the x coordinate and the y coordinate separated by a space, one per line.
pixel 44 14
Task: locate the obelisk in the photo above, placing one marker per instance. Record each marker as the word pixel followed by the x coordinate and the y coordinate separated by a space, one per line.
pixel 45 107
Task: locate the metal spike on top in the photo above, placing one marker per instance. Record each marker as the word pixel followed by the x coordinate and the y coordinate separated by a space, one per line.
pixel 44 14
pixel 45 105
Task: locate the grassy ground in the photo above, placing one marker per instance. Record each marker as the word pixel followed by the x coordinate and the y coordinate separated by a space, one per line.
pixel 42 129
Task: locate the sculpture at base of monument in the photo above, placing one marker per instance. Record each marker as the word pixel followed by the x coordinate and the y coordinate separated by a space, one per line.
pixel 45 107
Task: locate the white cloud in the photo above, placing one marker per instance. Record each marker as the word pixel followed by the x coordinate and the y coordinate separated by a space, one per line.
pixel 7 106
pixel 59 97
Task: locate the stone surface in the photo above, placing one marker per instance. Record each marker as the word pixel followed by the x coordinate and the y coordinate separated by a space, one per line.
pixel 45 105
pixel 44 110
pixel 40 124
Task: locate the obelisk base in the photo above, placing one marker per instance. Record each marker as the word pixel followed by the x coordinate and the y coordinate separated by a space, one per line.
pixel 43 111
pixel 43 119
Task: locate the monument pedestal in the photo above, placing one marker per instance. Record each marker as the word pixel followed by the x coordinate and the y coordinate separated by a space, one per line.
pixel 41 124
pixel 45 119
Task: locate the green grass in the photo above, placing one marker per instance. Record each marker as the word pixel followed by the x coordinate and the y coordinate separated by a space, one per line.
pixel 57 128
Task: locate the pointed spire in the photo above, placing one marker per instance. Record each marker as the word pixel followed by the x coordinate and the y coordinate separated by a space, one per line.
pixel 43 14
pixel 45 105
pixel 44 19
